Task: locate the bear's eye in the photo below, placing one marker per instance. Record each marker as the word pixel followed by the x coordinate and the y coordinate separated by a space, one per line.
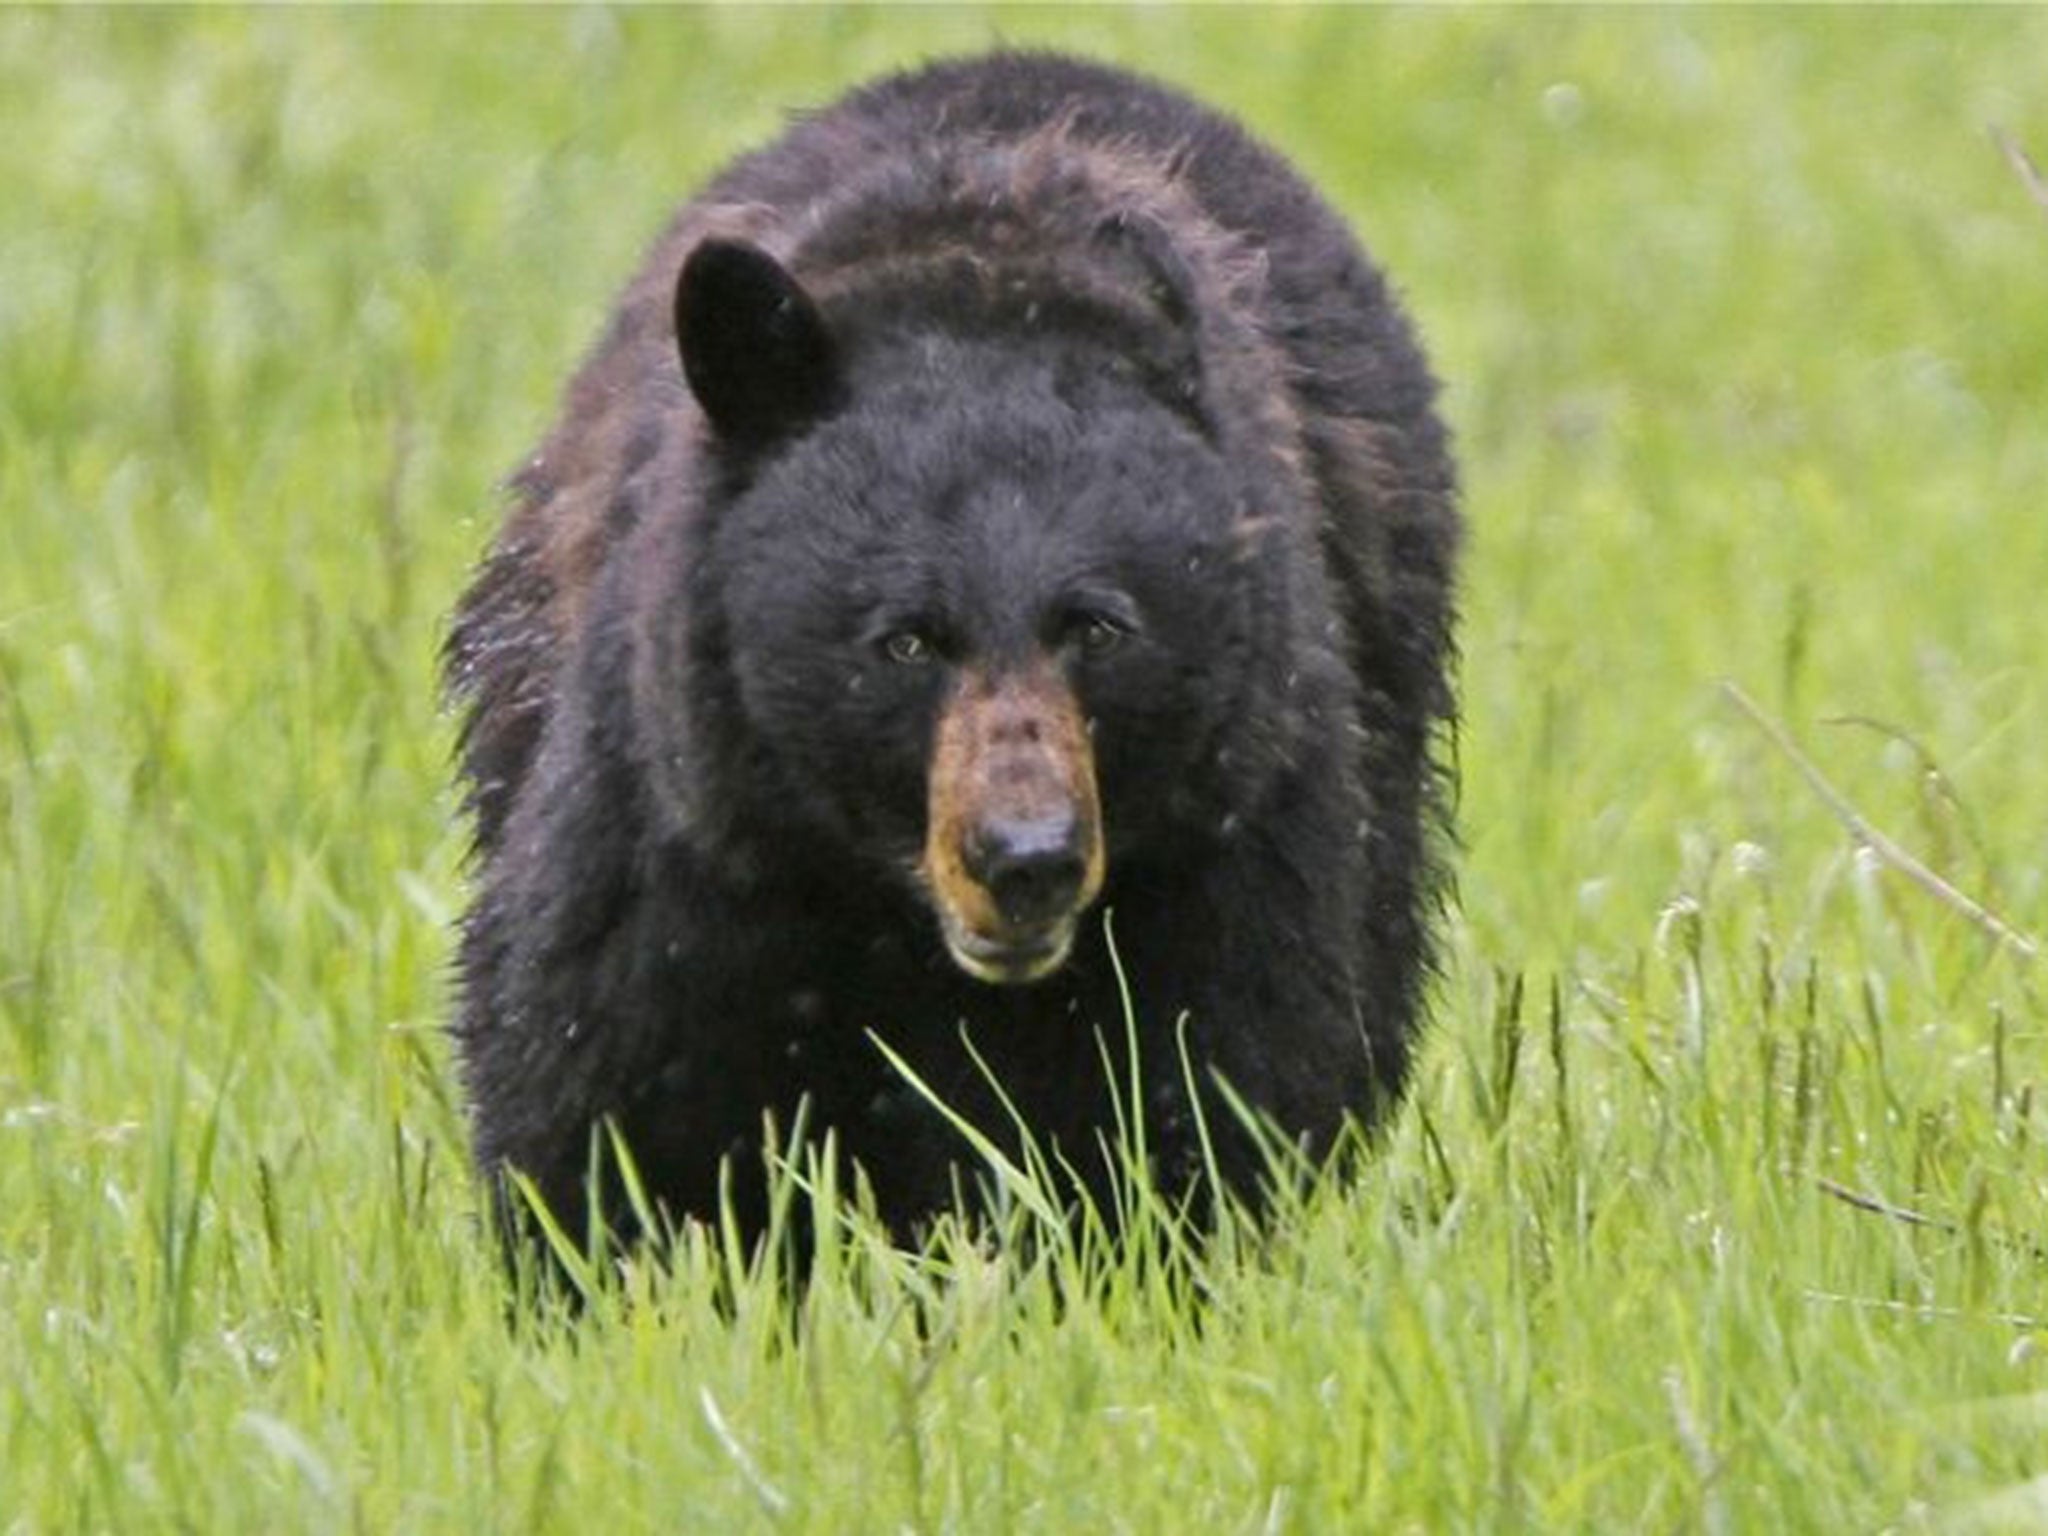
pixel 909 648
pixel 1095 634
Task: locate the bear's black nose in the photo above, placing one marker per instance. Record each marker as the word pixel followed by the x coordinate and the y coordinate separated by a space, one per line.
pixel 1034 868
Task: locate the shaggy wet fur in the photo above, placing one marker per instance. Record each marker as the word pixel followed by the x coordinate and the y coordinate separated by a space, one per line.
pixel 1014 384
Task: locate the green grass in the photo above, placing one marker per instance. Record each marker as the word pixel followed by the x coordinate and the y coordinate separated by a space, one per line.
pixel 1745 323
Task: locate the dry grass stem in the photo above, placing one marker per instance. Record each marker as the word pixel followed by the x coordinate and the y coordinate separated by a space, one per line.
pixel 1876 841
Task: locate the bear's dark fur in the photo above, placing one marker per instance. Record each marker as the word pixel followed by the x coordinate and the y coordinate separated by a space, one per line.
pixel 1009 500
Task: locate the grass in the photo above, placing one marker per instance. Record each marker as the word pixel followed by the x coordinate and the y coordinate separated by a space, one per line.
pixel 1744 319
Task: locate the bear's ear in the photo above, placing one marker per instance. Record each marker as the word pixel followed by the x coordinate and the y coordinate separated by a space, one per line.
pixel 1151 247
pixel 1155 265
pixel 757 352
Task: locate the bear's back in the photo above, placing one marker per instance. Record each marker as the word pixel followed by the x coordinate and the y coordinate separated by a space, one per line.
pixel 1325 303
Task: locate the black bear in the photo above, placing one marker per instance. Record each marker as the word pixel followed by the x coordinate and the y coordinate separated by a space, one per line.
pixel 1001 549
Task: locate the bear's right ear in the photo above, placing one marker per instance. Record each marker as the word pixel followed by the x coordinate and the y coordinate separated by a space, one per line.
pixel 755 349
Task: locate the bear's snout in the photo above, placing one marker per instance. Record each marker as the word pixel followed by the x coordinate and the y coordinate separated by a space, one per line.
pixel 1013 844
pixel 1034 868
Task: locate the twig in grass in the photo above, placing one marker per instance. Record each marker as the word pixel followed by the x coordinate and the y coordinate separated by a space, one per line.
pixel 1926 1311
pixel 2029 174
pixel 1931 774
pixel 1884 1208
pixel 1907 1216
pixel 1870 837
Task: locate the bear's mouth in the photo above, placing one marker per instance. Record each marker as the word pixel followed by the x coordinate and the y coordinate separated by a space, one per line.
pixel 1012 959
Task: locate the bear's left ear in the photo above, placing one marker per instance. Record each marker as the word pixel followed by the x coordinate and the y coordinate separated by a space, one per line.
pixel 755 349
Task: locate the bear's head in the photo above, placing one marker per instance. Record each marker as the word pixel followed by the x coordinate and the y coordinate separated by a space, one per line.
pixel 990 596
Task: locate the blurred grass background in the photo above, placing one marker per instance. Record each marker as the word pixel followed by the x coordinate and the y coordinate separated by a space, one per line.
pixel 1744 323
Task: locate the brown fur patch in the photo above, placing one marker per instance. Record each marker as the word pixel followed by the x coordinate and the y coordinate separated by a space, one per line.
pixel 1011 747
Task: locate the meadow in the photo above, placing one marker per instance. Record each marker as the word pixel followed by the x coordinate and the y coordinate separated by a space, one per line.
pixel 1721 1203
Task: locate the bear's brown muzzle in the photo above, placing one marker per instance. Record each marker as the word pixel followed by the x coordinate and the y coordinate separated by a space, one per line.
pixel 1013 841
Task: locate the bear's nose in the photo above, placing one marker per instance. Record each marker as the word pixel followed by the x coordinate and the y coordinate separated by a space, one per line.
pixel 1034 867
